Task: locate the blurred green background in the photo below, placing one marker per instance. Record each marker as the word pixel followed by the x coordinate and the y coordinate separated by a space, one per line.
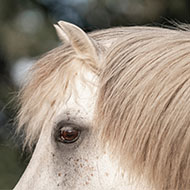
pixel 26 32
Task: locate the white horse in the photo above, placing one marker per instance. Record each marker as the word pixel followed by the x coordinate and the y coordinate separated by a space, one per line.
pixel 91 87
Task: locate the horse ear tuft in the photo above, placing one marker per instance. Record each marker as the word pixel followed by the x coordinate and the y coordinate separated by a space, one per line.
pixel 79 40
pixel 61 34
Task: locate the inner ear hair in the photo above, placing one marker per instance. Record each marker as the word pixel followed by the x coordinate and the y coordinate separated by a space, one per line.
pixel 61 34
pixel 79 40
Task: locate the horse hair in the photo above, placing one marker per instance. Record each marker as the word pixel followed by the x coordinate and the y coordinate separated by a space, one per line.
pixel 143 106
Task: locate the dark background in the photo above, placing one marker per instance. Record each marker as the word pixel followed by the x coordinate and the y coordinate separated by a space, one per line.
pixel 26 31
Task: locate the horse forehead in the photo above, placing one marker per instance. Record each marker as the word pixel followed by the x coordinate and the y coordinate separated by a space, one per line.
pixel 83 97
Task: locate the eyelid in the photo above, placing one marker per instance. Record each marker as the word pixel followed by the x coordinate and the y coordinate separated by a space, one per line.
pixel 67 124
pixel 77 123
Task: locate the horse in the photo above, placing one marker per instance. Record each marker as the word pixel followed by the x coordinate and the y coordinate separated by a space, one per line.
pixel 108 110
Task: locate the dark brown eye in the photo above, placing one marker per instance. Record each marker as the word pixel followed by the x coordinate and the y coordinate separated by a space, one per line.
pixel 69 135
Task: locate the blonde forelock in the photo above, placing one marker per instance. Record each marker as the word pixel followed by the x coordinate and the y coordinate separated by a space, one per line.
pixel 52 79
pixel 51 82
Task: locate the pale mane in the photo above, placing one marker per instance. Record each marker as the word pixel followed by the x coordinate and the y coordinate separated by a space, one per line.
pixel 39 94
pixel 143 109
pixel 52 80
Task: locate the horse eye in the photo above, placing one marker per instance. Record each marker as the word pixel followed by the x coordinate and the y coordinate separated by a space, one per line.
pixel 69 135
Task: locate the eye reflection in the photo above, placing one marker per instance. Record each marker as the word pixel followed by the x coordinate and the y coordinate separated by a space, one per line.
pixel 69 134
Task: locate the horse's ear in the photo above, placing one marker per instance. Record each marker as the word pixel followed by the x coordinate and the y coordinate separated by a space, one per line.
pixel 79 40
pixel 61 34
